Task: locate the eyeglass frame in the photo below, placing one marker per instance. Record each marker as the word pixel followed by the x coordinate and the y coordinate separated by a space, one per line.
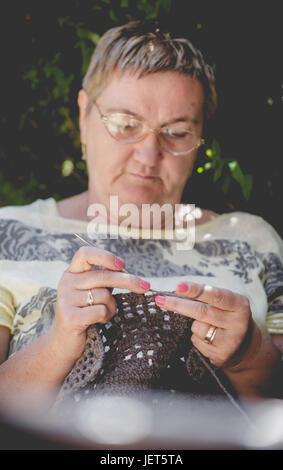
pixel 104 117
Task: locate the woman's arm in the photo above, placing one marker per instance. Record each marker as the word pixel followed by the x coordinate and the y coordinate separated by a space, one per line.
pixel 39 367
pixel 4 343
pixel 278 341
pixel 42 365
pixel 260 372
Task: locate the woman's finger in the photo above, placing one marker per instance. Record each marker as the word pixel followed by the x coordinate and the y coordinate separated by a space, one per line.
pixel 86 316
pixel 103 278
pixel 208 350
pixel 221 298
pixel 88 256
pixel 86 298
pixel 198 310
pixel 222 350
pixel 200 330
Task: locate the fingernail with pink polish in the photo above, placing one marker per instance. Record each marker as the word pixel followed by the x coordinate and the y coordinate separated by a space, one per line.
pixel 145 284
pixel 182 287
pixel 159 299
pixel 119 263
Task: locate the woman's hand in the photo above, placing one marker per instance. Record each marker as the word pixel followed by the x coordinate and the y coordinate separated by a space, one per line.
pixel 83 298
pixel 222 321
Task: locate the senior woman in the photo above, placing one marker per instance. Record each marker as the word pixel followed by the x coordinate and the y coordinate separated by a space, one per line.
pixel 195 318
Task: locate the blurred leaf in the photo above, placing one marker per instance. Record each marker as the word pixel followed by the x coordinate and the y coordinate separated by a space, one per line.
pixel 32 76
pixel 94 38
pixel 219 165
pixel 62 20
pixel 248 186
pixel 82 33
pixel 166 4
pixel 113 16
pixel 245 181
pixel 216 149
pixel 67 168
pixel 48 70
pixel 43 102
pixel 208 166
pixel 218 172
pixel 81 165
pixel 236 171
pixel 226 183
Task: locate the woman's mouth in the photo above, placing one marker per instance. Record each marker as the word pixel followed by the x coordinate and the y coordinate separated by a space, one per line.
pixel 143 177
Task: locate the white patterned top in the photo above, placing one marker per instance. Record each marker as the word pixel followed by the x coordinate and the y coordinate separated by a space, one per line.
pixel 238 251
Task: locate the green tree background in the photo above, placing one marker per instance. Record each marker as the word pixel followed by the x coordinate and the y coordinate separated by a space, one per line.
pixel 46 50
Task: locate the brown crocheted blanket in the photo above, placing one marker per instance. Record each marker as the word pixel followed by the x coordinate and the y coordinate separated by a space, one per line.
pixel 143 347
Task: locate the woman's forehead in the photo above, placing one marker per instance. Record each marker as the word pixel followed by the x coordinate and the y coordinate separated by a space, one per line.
pixel 161 90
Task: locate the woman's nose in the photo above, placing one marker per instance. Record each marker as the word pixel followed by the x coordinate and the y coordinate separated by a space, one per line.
pixel 148 150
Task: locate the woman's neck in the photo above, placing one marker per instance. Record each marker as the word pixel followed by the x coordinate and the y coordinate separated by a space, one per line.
pixel 82 207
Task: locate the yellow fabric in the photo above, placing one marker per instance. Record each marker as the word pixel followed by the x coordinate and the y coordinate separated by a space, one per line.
pixel 7 309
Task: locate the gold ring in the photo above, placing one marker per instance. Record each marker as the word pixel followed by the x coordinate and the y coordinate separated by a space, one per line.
pixel 210 335
pixel 90 299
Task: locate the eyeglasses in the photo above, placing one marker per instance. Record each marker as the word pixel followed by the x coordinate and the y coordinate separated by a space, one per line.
pixel 126 128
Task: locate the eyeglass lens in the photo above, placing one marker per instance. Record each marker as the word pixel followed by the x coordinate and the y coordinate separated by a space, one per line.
pixel 126 128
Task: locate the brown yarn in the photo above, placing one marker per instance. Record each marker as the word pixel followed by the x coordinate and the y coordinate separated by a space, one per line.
pixel 88 365
pixel 148 336
pixel 143 347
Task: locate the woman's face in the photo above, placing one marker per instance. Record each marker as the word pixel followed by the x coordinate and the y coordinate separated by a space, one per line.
pixel 141 172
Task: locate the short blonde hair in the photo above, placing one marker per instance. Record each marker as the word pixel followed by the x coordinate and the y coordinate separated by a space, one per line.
pixel 136 48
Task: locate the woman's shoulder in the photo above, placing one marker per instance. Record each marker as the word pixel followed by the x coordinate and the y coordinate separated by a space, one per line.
pixel 202 216
pixel 34 214
pixel 234 219
pixel 245 226
pixel 39 206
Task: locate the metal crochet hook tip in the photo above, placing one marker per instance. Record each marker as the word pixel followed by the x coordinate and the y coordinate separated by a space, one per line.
pixel 83 240
pixel 125 271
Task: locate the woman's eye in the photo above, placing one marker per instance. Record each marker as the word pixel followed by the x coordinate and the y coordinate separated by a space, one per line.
pixel 132 124
pixel 176 133
pixel 128 125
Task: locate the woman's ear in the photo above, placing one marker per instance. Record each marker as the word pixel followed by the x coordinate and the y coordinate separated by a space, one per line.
pixel 83 103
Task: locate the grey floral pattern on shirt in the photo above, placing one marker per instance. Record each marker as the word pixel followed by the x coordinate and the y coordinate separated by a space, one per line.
pixel 20 242
pixel 44 302
pixel 236 255
pixel 272 279
pixel 146 258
